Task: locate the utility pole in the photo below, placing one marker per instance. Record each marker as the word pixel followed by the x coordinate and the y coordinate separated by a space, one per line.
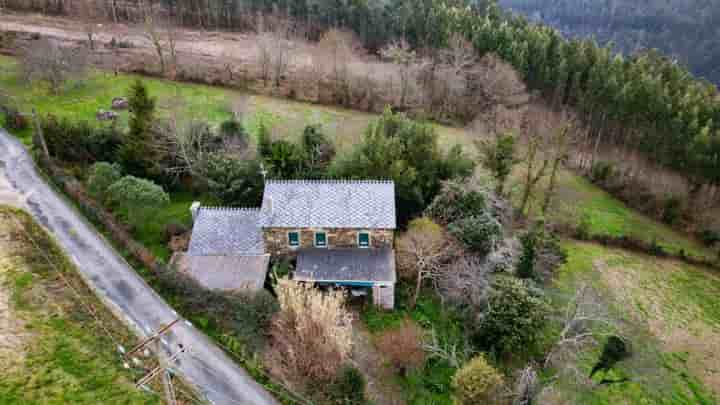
pixel 163 363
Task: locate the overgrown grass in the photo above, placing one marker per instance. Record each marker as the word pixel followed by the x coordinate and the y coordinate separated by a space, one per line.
pixel 654 302
pixel 578 200
pixel 67 359
pixel 430 384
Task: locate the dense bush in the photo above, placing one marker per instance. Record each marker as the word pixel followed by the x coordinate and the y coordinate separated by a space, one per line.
pixel 79 142
pixel 247 315
pixel 233 181
pixel 602 172
pixel 318 151
pixel 456 201
pixel 137 199
pixel 173 229
pixel 403 346
pixel 477 382
pixel 479 233
pixel 526 265
pixel 349 389
pixel 614 350
pixel 397 148
pixel 498 156
pixel 710 237
pixel 672 210
pixel 514 317
pixel 102 176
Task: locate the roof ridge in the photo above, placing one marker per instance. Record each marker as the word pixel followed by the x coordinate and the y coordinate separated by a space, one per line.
pixel 229 209
pixel 338 181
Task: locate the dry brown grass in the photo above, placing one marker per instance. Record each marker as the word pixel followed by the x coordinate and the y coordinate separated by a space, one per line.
pixel 311 335
pixel 13 334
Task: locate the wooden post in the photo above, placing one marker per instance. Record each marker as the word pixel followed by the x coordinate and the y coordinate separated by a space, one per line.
pixel 38 137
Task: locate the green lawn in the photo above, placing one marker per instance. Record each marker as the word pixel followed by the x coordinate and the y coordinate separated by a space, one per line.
pixel 668 311
pixel 65 357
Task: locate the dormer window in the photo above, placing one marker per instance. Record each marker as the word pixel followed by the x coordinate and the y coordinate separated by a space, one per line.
pixel 294 239
pixel 363 239
pixel 320 239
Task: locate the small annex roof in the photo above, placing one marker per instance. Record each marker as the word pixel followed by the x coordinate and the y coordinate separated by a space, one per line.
pixel 346 265
pixel 226 273
pixel 226 232
pixel 329 204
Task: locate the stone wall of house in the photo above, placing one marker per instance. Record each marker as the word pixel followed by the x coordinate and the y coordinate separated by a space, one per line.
pixel 276 239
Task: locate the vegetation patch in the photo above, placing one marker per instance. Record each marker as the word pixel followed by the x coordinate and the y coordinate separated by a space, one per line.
pixel 67 357
pixel 669 330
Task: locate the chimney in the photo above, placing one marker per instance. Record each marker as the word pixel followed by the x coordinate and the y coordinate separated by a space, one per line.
pixel 268 206
pixel 195 209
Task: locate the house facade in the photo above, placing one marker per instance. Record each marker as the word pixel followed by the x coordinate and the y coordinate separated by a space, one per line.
pixel 339 232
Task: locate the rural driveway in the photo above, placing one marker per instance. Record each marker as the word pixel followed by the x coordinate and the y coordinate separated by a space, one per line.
pixel 205 366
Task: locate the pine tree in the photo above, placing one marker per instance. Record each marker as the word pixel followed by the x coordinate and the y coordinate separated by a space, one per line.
pixel 136 150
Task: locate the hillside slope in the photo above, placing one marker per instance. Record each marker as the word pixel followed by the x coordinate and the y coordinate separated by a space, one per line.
pixel 686 30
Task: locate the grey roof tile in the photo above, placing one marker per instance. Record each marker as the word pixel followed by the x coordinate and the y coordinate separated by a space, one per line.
pixel 228 273
pixel 226 231
pixel 345 265
pixel 329 203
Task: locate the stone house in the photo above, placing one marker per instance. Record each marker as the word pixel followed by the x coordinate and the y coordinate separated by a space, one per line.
pixel 339 233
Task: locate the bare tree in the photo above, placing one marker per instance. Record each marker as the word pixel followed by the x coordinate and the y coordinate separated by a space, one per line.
pixel 154 34
pixel 335 54
pixel 400 53
pixel 585 319
pixel 423 252
pixel 560 149
pixel 91 15
pixel 49 62
pixel 274 50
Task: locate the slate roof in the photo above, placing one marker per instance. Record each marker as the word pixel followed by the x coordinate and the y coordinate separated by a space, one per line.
pixel 226 232
pixel 329 204
pixel 228 273
pixel 345 265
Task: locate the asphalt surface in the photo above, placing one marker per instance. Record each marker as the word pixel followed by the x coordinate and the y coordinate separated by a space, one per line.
pixel 204 365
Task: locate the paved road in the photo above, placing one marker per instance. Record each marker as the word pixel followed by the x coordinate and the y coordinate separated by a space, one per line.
pixel 205 366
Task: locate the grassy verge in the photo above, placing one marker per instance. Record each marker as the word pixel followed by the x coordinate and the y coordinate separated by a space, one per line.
pixel 667 311
pixel 65 357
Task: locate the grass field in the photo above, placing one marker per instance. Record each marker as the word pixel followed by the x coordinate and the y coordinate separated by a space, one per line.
pixel 59 355
pixel 670 314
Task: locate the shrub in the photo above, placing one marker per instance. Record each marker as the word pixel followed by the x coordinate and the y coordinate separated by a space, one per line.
pixel 102 176
pixel 583 230
pixel 456 201
pixel 514 316
pixel 403 346
pixel 138 199
pixel 710 237
pixel 498 156
pixel 79 142
pixel 480 233
pixel 672 210
pixel 601 172
pixel 311 335
pixel 318 151
pixel 477 382
pixel 349 389
pixel 233 181
pixel 526 265
pixel 614 351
